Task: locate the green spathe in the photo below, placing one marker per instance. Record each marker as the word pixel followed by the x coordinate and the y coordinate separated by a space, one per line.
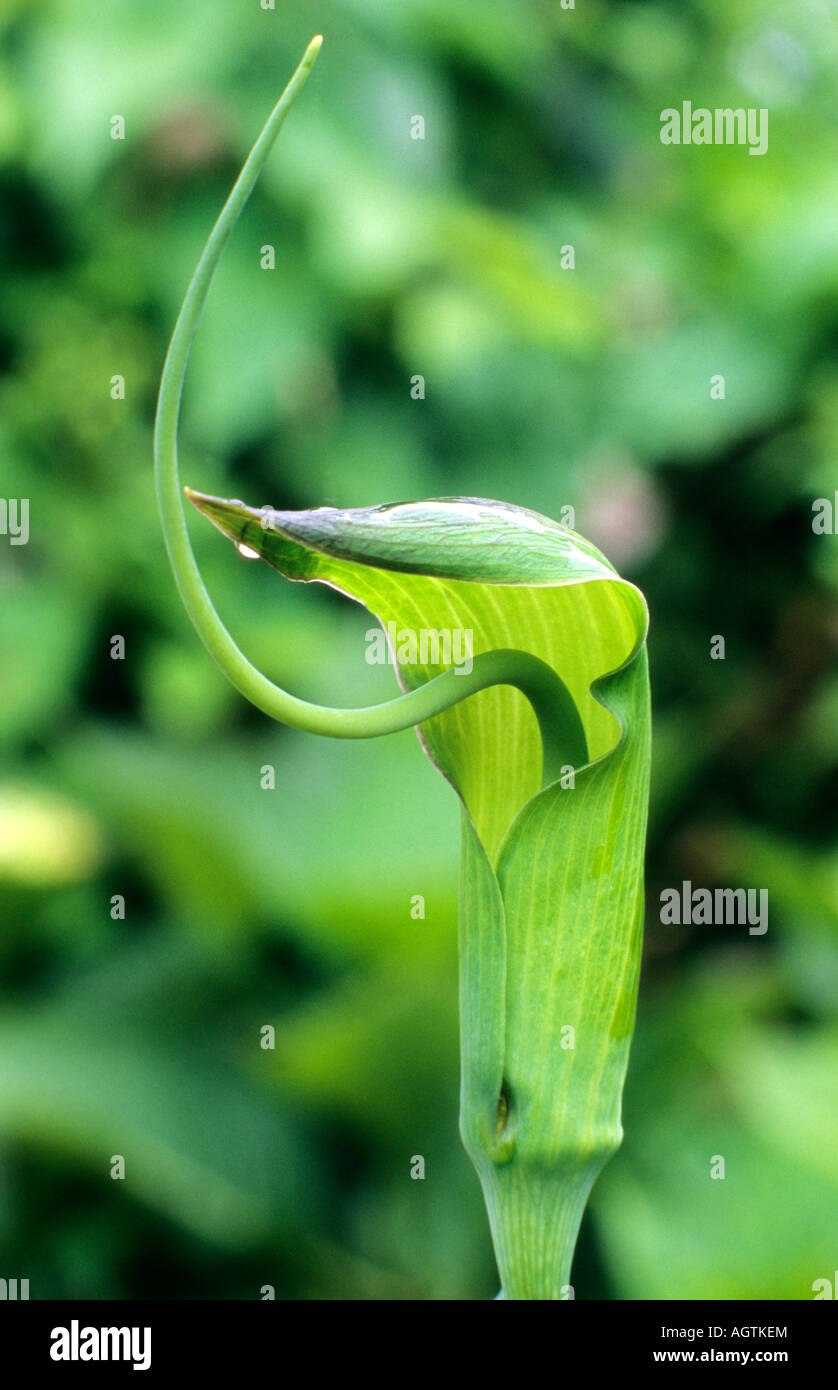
pixel 551 883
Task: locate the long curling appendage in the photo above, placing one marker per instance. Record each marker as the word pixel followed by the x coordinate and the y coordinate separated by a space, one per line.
pixel 561 729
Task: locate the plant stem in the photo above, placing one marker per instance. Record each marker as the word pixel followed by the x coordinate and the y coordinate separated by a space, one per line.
pixel 535 1221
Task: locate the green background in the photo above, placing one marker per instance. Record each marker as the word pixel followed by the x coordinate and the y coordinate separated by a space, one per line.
pixel 545 387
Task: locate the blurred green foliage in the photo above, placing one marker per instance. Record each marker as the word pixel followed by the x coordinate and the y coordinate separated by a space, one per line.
pixel 544 386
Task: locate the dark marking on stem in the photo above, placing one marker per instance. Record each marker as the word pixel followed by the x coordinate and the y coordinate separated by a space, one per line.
pixel 504 1143
pixel 502 1109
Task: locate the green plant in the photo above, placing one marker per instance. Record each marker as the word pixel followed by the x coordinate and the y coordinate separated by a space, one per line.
pixel 546 739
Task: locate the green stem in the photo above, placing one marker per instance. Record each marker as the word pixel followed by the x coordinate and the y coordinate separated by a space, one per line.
pixel 561 729
pixel 535 1217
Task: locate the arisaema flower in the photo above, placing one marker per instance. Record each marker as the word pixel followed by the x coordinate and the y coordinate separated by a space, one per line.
pixel 546 740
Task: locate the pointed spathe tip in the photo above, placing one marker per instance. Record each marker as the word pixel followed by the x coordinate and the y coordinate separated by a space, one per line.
pixel 230 515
